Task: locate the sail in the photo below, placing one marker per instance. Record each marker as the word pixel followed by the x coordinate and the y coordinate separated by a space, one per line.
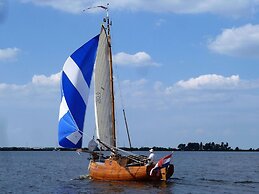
pixel 75 84
pixel 102 93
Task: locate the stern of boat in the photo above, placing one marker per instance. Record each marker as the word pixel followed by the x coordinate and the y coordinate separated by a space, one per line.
pixel 161 174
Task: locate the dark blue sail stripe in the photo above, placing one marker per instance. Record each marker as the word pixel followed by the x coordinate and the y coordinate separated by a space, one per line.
pixel 66 127
pixel 86 54
pixel 74 101
pixel 75 85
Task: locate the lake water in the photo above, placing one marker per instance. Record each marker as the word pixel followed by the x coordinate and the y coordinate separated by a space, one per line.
pixel 195 172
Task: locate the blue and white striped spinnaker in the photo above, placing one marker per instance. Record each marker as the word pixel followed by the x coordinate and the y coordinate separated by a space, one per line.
pixel 75 85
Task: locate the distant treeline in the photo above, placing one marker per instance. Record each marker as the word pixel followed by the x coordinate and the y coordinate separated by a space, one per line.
pixel 211 146
pixel 148 148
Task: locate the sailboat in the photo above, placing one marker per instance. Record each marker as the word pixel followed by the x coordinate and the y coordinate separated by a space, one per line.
pixel 95 57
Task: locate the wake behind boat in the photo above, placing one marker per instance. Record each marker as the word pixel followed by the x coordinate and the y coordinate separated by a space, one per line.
pixel 75 85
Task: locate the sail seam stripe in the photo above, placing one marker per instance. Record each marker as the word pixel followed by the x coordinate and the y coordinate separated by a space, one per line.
pixel 72 95
pixel 63 108
pixel 76 77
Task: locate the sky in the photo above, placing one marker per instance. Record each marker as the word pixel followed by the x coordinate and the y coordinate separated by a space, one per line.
pixel 185 71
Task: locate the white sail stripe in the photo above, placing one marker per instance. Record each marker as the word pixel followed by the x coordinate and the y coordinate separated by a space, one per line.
pixel 63 108
pixel 74 137
pixel 76 77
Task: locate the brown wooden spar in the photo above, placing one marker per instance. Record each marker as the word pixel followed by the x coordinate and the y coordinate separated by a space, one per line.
pixel 111 82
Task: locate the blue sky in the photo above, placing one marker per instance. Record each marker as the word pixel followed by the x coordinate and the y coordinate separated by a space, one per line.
pixel 187 71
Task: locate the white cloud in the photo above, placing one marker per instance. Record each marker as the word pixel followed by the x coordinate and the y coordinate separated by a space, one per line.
pixel 6 89
pixel 233 8
pixel 41 89
pixel 135 89
pixel 140 93
pixel 210 81
pixel 241 41
pixel 140 59
pixel 208 90
pixel 75 6
pixel 30 112
pixel 43 80
pixel 8 53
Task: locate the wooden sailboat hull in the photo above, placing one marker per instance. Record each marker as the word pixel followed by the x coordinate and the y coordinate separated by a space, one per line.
pixel 115 170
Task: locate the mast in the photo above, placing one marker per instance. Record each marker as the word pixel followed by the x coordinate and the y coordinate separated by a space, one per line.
pixel 108 24
pixel 126 123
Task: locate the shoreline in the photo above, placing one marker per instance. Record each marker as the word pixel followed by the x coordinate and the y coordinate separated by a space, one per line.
pixel 127 149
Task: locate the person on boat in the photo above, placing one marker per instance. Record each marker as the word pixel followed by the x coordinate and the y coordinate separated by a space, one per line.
pixel 151 157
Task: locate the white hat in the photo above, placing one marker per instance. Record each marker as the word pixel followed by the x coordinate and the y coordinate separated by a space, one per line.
pixel 151 150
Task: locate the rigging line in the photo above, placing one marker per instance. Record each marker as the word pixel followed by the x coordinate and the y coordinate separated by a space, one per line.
pixel 116 148
pixel 87 136
pixel 123 106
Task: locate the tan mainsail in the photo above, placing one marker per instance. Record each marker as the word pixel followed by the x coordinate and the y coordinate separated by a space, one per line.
pixel 103 101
